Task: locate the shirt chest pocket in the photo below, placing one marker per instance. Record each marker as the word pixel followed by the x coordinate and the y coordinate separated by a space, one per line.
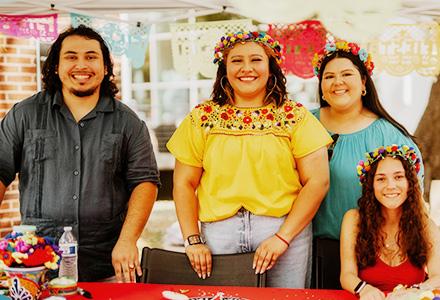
pixel 40 145
pixel 111 151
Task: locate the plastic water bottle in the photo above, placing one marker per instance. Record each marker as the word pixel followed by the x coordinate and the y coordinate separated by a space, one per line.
pixel 69 259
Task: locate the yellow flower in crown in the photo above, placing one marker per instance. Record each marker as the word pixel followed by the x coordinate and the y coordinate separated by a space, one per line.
pixel 375 153
pixel 342 45
pixel 315 59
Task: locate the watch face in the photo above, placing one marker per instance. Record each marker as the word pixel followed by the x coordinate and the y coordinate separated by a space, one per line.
pixel 194 239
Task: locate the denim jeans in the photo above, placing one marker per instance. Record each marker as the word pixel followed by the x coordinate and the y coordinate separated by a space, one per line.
pixel 245 231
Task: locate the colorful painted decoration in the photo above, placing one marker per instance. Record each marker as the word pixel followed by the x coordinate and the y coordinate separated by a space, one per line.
pixel 299 41
pixel 40 27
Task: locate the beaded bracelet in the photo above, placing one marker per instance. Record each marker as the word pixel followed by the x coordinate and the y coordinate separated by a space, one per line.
pixel 282 239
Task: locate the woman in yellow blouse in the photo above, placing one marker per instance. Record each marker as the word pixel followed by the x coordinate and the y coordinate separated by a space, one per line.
pixel 251 166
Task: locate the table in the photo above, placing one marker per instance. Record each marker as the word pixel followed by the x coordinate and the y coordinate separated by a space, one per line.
pixel 132 291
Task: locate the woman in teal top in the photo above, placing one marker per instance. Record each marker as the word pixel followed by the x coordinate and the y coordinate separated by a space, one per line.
pixel 350 110
pixel 345 189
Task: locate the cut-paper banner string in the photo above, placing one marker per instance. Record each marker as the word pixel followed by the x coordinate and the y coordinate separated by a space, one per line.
pixel 122 38
pixel 404 48
pixel 41 27
pixel 300 42
pixel 193 44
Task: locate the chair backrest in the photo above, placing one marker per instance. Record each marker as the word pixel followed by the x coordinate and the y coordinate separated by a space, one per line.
pixel 169 267
pixel 327 264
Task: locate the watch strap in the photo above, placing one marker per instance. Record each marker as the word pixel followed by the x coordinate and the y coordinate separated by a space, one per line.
pixel 194 239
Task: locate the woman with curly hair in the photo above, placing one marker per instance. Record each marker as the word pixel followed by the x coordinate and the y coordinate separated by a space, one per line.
pixel 351 110
pixel 251 166
pixel 389 240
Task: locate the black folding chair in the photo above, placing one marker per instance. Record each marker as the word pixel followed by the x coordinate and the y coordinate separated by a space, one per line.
pixel 169 267
pixel 327 264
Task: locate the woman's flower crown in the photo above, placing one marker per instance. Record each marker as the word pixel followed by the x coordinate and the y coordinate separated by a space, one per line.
pixel 342 45
pixel 27 249
pixel 404 151
pixel 230 39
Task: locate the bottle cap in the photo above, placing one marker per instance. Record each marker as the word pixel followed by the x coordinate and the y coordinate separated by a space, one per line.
pixel 67 228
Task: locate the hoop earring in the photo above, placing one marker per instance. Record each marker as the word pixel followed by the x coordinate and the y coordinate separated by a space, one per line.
pixel 323 98
pixel 364 92
pixel 272 88
pixel 221 84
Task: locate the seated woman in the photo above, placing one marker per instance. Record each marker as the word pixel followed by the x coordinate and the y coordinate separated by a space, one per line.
pixel 389 240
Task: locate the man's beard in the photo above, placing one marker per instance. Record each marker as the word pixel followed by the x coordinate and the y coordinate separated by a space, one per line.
pixel 85 93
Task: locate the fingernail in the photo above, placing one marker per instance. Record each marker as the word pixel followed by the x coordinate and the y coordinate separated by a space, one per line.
pixel 209 274
pixel 204 276
pixel 200 275
pixel 253 266
pixel 256 272
pixel 261 272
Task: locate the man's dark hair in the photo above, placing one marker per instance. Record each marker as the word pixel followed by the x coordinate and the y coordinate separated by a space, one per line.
pixel 51 80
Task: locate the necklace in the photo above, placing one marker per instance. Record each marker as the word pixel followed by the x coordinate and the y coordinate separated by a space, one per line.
pixel 390 245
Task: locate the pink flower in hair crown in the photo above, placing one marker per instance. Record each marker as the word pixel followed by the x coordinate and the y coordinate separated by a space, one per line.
pixel 230 39
pixel 341 45
pixel 404 151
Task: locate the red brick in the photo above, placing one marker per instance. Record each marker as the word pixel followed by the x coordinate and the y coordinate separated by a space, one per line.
pixel 26 51
pixel 19 60
pixel 9 50
pixel 18 95
pixel 4 205
pixel 4 223
pixel 16 205
pixel 18 41
pixel 8 215
pixel 20 78
pixel 11 195
pixel 29 69
pixel 7 87
pixel 32 88
pixel 5 231
pixel 11 69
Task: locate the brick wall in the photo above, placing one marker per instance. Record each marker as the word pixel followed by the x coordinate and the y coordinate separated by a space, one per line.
pixel 17 82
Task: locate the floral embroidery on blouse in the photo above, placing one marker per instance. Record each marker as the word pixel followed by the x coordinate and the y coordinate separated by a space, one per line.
pixel 233 120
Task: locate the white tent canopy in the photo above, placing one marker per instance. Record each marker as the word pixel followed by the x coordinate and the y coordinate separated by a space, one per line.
pixel 177 8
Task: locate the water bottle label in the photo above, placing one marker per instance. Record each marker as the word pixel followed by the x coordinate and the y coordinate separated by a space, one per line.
pixel 69 249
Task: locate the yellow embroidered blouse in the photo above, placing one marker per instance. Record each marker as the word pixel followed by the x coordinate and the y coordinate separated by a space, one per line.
pixel 247 155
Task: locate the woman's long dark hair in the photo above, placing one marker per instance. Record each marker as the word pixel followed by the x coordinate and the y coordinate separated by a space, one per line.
pixel 371 99
pixel 412 236
pixel 51 80
pixel 275 88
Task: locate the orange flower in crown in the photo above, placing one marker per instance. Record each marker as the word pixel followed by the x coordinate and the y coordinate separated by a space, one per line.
pixel 341 45
pixel 230 39
pixel 404 151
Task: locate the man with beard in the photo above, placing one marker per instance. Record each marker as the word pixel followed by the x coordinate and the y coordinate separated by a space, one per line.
pixel 84 159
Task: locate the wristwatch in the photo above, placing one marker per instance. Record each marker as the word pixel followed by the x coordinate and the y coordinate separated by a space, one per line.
pixel 194 239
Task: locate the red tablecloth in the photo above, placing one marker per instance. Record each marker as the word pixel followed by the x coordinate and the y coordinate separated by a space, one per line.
pixel 139 291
